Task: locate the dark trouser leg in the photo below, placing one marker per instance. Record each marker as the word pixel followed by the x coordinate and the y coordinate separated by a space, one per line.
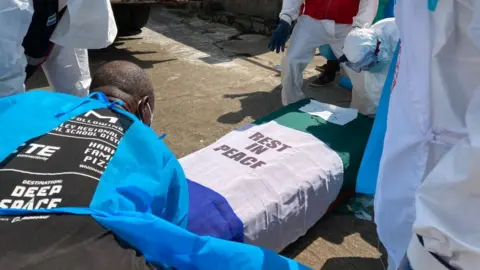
pixel 328 74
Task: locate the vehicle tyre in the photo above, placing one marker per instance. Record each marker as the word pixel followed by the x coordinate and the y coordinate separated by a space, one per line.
pixel 139 16
pixel 130 18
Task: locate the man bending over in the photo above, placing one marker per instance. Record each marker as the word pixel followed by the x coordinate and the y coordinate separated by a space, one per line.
pixel 87 184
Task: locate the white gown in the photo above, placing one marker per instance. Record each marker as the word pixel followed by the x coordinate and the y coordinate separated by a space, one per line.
pixel 87 24
pixel 428 180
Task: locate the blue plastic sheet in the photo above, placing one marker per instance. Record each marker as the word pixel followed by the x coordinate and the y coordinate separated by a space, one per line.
pixel 326 51
pixel 368 172
pixel 346 83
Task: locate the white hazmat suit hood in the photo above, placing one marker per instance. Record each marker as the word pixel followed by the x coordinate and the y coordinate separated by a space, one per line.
pixel 371 50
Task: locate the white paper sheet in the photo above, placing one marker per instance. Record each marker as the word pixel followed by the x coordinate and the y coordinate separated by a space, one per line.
pixel 330 113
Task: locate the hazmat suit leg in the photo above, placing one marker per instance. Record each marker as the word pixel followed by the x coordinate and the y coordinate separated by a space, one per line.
pixel 359 97
pixel 307 35
pixel 403 161
pixel 68 71
pixel 447 212
pixel 17 15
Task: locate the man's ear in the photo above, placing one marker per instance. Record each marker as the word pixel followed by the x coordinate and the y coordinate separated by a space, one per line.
pixel 144 111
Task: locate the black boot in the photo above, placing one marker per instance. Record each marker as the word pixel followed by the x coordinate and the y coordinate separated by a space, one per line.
pixel 328 74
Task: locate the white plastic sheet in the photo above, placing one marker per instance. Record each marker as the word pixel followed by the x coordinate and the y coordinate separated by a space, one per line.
pixel 330 113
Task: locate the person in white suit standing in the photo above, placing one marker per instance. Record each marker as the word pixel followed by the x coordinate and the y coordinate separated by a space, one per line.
pixel 428 187
pixel 54 35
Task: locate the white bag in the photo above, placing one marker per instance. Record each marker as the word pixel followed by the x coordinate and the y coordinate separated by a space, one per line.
pixel 87 24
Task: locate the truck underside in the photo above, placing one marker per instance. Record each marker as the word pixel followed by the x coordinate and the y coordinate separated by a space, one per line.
pixel 131 18
pixel 132 15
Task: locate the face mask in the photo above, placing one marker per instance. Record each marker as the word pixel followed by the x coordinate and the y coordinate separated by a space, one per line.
pixel 151 113
pixel 377 67
pixel 143 111
pixel 368 62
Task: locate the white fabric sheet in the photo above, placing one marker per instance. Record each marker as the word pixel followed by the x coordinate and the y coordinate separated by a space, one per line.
pixel 279 200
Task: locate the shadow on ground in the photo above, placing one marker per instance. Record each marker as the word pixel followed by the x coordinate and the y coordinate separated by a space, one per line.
pixel 334 228
pixel 261 103
pixel 117 52
pixel 352 263
pixel 254 105
pixel 114 52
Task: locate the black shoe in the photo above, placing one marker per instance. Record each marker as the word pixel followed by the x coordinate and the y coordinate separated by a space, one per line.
pixel 321 68
pixel 322 80
pixel 324 68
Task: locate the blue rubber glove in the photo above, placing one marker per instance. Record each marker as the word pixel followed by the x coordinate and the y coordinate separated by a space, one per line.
pixel 280 37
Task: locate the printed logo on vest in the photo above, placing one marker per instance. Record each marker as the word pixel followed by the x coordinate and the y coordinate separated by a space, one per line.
pixel 52 20
pixel 34 195
pixel 36 151
pixel 111 120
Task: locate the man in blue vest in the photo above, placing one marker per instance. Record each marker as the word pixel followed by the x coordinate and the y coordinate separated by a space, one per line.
pixel 63 168
pixel 87 184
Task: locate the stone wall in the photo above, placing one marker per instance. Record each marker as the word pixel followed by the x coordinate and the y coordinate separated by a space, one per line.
pixel 248 16
pixel 264 9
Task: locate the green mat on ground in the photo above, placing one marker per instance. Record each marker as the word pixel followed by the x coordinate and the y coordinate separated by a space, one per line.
pixel 349 140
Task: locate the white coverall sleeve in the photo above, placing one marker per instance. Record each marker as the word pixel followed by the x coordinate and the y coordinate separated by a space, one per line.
pixel 17 14
pixel 367 11
pixel 447 203
pixel 290 10
pixel 68 71
pixel 87 24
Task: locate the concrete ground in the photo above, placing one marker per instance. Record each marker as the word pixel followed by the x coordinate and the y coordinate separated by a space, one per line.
pixel 210 79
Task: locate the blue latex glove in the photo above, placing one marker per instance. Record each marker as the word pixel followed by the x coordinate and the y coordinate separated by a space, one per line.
pixel 432 5
pixel 280 37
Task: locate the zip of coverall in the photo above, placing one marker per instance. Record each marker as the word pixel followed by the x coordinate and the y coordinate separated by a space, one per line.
pixel 17 14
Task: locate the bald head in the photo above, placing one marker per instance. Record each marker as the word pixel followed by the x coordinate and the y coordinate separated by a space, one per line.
pixel 124 80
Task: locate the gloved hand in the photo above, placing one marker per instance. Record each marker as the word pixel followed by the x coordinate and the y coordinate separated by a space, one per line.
pixel 280 37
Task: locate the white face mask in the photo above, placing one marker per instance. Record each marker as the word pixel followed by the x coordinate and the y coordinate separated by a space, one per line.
pixel 140 111
pixel 151 113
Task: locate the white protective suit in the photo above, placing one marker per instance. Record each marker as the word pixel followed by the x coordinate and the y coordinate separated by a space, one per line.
pixel 87 24
pixel 363 41
pixel 429 172
pixel 307 36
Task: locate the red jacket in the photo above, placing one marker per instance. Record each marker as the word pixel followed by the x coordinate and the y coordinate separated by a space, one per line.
pixel 340 11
